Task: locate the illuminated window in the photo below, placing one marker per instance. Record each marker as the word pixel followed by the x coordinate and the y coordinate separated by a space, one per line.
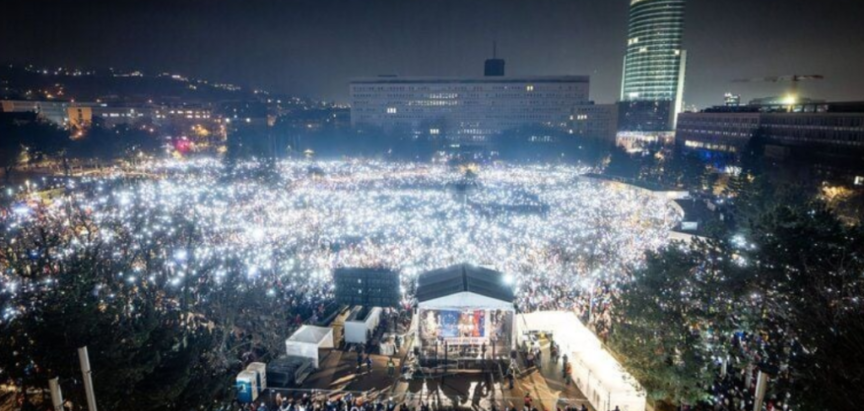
pixel 434 131
pixel 391 110
pixel 529 88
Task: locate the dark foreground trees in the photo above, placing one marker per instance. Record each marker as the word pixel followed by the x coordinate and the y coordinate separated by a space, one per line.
pixel 785 299
pixel 26 139
pixel 154 343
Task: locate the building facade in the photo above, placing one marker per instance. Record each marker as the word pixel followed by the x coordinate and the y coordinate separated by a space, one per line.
pixel 654 64
pixel 466 109
pixel 595 121
pixel 52 111
pixel 827 125
pixel 826 134
pixel 723 131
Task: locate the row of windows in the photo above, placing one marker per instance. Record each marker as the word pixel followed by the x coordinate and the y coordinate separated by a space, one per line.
pixel 449 88
pixel 468 97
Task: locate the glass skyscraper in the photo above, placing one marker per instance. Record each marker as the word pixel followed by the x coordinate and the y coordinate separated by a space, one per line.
pixel 655 62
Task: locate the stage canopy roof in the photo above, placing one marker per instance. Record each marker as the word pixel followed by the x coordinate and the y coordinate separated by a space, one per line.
pixel 463 278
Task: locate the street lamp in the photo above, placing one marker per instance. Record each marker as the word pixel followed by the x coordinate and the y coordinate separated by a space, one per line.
pixel 589 283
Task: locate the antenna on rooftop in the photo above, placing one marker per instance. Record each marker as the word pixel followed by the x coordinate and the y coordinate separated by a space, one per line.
pixel 494 67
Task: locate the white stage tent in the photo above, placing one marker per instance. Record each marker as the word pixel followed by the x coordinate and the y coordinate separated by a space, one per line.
pixel 464 305
pixel 356 329
pixel 597 374
pixel 306 341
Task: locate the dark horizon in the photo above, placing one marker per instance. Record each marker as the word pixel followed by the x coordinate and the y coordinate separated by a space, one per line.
pixel 312 48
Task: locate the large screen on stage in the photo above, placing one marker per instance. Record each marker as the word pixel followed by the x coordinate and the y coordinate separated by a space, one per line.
pixel 471 326
pixel 454 324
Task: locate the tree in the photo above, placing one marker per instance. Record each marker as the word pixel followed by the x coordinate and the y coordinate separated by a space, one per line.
pixel 26 139
pixel 787 291
pixel 157 340
pixel 104 144
pixel 144 354
pixel 808 269
pixel 622 164
pixel 674 318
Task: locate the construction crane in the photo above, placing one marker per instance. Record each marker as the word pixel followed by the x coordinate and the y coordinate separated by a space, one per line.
pixel 792 78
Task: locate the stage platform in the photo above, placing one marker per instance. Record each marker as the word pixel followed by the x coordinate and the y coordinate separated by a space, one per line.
pixel 461 389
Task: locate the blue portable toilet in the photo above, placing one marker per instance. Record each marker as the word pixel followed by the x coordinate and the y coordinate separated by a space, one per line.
pixel 247 387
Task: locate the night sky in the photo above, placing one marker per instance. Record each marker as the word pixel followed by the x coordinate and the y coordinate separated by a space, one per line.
pixel 313 47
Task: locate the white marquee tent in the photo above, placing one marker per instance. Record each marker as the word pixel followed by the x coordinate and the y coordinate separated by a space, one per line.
pixel 479 296
pixel 356 329
pixel 597 374
pixel 306 341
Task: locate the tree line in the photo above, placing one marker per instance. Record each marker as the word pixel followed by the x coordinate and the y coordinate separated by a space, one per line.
pixel 779 291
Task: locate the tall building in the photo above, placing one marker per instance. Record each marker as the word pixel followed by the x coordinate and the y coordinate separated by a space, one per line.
pixel 654 66
pixel 466 109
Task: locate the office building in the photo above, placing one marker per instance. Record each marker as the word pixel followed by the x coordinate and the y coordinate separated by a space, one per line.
pixel 466 109
pixel 830 134
pixel 51 111
pixel 654 66
pixel 598 121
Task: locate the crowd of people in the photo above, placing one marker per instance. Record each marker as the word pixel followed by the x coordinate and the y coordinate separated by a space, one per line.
pixel 289 233
pixel 562 239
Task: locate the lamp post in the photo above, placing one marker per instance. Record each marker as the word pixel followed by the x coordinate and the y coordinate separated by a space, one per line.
pixel 589 283
pixel 86 373
pixel 56 394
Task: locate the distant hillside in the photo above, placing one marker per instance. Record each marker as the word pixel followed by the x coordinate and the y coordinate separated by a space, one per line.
pixel 19 82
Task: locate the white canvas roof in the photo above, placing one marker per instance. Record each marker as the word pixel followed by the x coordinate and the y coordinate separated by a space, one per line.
pixel 310 334
pixel 306 341
pixel 597 374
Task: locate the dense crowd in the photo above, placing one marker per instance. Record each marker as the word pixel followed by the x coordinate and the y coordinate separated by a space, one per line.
pixel 554 233
pixel 189 228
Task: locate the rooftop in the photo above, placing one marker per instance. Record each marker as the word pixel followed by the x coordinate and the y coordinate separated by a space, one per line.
pixel 463 278
pixel 470 80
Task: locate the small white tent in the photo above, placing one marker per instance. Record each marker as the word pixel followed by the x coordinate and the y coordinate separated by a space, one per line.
pixel 356 329
pixel 597 374
pixel 306 341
